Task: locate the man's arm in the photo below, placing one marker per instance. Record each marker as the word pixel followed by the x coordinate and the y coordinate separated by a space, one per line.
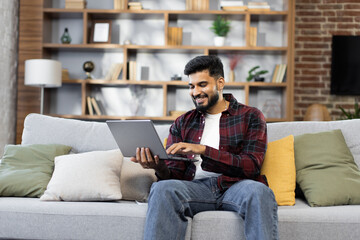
pixel 247 163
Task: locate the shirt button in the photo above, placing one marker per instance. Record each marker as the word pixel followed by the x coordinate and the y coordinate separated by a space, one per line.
pixel 193 174
pixel 193 155
pixel 199 137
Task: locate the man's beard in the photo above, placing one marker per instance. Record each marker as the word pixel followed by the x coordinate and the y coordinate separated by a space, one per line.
pixel 211 101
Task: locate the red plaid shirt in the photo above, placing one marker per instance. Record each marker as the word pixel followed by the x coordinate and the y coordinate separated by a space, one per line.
pixel 241 150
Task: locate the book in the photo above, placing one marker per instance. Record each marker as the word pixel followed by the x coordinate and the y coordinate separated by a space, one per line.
pixel 276 70
pixel 197 5
pixel 65 74
pixel 231 3
pixel 281 75
pixel 175 35
pixel 96 106
pixel 78 4
pixel 258 3
pixel 114 72
pixel 253 36
pixel 258 6
pixel 132 71
pixel 89 106
pixel 135 6
pixel 235 8
pixel 119 4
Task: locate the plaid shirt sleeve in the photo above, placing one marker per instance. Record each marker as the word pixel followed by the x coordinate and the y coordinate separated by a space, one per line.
pixel 178 169
pixel 242 152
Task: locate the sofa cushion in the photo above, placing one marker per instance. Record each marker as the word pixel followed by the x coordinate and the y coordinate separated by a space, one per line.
pixel 279 169
pixel 135 181
pixel 325 168
pixel 30 218
pixel 91 176
pixel 349 128
pixel 26 170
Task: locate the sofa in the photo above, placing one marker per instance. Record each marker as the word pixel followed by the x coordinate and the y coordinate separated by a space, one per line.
pixel 31 218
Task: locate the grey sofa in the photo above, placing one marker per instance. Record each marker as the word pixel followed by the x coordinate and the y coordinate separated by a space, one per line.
pixel 30 218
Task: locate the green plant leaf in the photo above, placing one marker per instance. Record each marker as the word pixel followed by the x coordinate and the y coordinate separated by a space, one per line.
pixel 220 26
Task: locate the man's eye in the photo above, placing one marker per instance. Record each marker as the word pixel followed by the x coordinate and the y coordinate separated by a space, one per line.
pixel 191 87
pixel 203 85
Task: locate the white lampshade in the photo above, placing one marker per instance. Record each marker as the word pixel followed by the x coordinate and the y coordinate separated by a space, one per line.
pixel 43 72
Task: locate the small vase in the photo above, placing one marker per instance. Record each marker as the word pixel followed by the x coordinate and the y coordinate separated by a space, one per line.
pixel 219 41
pixel 232 76
pixel 65 38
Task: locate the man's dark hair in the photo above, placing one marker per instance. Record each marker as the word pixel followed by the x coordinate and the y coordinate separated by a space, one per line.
pixel 211 63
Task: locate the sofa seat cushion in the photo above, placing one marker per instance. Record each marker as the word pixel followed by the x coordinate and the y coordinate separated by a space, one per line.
pixel 35 219
pixel 331 223
pixel 300 220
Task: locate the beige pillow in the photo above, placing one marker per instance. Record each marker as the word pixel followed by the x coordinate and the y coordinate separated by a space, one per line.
pixel 91 176
pixel 135 181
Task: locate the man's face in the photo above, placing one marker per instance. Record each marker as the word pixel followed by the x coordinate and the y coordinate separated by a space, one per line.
pixel 203 90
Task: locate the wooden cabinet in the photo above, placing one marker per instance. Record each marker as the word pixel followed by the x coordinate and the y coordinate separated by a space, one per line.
pixel 141 36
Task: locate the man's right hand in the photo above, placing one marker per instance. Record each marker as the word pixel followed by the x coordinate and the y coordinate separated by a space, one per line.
pixel 146 160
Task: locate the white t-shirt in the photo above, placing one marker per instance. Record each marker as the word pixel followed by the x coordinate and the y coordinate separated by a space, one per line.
pixel 211 138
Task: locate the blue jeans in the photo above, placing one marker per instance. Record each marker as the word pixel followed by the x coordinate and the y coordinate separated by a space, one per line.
pixel 171 201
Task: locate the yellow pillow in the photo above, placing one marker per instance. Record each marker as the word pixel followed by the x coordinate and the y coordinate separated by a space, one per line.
pixel 279 169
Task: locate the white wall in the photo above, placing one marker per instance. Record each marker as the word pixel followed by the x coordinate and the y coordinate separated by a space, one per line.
pixel 8 69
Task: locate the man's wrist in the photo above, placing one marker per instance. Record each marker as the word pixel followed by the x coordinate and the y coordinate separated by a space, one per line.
pixel 163 173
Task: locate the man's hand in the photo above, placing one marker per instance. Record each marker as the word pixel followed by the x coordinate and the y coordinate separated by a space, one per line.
pixel 146 160
pixel 186 148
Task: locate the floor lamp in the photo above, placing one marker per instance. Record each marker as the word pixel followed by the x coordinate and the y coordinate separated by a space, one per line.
pixel 43 73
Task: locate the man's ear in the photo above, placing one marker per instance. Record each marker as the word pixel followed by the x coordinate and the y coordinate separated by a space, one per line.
pixel 221 83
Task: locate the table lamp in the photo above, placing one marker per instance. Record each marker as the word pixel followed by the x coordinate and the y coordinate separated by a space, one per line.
pixel 43 73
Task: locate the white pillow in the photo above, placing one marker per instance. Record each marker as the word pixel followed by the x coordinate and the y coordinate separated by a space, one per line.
pixel 91 176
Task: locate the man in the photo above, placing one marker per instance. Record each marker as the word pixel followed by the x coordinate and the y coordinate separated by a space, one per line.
pixel 229 140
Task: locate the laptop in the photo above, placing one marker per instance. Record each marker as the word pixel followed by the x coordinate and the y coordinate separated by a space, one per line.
pixel 130 134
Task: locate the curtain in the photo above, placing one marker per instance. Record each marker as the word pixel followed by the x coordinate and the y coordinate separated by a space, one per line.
pixel 9 17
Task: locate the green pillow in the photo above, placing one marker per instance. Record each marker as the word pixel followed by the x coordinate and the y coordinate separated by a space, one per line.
pixel 25 171
pixel 325 169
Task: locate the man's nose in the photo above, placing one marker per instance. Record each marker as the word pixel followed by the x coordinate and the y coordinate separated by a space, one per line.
pixel 196 90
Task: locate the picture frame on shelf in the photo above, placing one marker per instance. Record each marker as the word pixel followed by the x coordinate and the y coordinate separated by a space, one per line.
pixel 100 31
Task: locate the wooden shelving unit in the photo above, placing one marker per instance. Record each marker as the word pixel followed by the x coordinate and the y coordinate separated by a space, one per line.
pixel 47 47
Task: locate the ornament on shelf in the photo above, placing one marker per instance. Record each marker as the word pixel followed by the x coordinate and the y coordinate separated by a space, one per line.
pixel 88 67
pixel 66 38
pixel 234 60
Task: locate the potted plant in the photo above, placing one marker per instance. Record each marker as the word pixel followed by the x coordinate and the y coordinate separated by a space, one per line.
pixel 253 74
pixel 221 28
pixel 350 115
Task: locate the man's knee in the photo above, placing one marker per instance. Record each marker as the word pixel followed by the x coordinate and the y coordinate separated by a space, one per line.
pixel 164 188
pixel 250 189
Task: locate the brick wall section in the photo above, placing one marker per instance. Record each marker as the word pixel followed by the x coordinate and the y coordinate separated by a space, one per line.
pixel 316 21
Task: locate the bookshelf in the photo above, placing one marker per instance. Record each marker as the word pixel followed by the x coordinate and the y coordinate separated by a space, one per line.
pixel 157 59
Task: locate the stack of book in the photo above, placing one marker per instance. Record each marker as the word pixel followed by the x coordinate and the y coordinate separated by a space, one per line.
pixel 119 4
pixel 232 5
pixel 93 106
pixel 78 4
pixel 253 36
pixel 258 6
pixel 114 72
pixel 135 5
pixel 197 5
pixel 279 73
pixel 132 70
pixel 175 35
